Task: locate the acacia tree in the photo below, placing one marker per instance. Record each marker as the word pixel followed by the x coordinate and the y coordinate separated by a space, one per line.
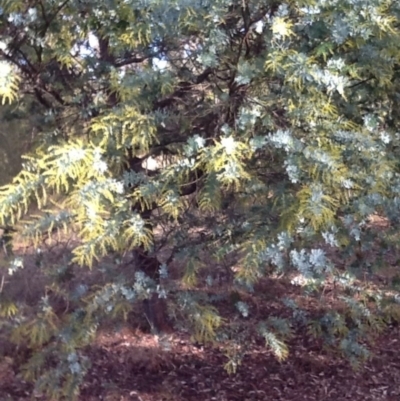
pixel 272 131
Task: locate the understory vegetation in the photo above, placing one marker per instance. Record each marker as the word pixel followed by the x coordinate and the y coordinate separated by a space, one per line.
pixel 185 163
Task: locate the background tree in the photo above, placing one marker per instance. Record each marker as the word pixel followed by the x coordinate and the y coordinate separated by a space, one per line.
pixel 19 127
pixel 257 134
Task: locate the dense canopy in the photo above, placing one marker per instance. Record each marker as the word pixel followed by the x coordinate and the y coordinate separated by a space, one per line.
pixel 255 137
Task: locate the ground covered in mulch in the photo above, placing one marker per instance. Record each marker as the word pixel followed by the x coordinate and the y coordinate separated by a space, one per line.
pixel 132 365
pixel 122 371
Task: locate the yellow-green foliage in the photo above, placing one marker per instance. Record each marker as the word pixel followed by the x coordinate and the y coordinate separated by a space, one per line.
pixel 242 140
pixel 9 81
pixel 206 321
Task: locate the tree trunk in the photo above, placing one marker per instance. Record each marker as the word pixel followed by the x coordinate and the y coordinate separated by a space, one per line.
pixel 154 308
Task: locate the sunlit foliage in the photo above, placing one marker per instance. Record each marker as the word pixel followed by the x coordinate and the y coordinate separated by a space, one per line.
pixel 264 133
